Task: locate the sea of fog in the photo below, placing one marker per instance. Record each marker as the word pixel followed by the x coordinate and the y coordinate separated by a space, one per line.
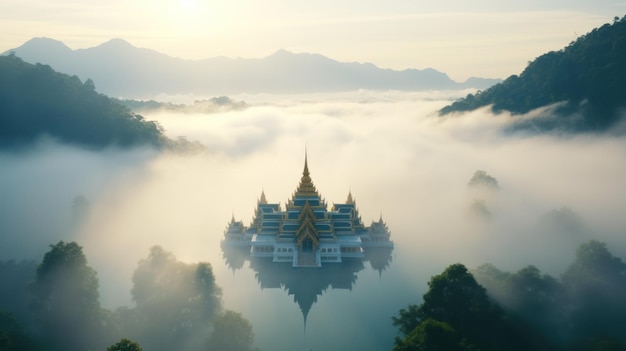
pixel 389 149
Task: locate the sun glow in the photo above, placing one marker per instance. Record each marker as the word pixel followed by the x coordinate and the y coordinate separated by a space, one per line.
pixel 189 4
pixel 196 18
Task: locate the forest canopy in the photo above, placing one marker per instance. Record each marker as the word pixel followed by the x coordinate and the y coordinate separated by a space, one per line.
pixel 55 305
pixel 489 309
pixel 36 101
pixel 587 79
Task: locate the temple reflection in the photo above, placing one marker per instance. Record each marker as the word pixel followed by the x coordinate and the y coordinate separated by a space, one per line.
pixel 307 284
pixel 306 248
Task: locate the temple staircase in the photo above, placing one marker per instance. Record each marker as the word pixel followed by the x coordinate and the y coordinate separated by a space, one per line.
pixel 307 259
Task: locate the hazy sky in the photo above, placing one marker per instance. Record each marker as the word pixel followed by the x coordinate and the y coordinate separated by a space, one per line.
pixel 462 38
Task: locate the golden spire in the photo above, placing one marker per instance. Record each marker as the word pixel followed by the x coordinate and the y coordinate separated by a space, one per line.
pixel 350 200
pixel 306 164
pixel 306 187
pixel 263 200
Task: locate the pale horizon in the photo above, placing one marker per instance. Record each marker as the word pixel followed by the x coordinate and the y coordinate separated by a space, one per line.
pixel 484 39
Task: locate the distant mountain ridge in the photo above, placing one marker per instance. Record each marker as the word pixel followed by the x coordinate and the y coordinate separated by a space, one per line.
pixel 584 84
pixel 122 70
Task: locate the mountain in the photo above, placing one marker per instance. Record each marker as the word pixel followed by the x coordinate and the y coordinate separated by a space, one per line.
pixel 36 101
pixel 479 83
pixel 582 86
pixel 122 70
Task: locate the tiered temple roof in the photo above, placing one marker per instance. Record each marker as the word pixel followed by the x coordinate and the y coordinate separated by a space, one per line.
pixel 306 233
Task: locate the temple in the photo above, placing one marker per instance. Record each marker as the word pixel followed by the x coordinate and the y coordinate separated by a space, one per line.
pixel 306 233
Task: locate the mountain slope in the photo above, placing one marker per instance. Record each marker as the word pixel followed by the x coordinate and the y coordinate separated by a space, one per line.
pixel 36 101
pixel 587 78
pixel 124 70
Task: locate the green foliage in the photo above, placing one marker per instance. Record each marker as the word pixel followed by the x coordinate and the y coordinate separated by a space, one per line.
pixel 212 105
pixel 600 344
pixel 178 306
pixel 12 336
pixel 431 335
pixel 231 332
pixel 125 345
pixel 484 187
pixel 594 262
pixel 455 298
pixel 585 310
pixel 14 297
pixel 481 178
pixel 529 290
pixel 161 278
pixel 493 279
pixel 183 146
pixel 176 302
pixel 36 101
pixel 588 75
pixel 596 286
pixel 408 320
pixel 66 299
pixel 532 301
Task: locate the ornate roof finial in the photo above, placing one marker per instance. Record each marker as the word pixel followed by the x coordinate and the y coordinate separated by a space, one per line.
pixel 262 200
pixel 306 164
pixel 350 200
pixel 306 187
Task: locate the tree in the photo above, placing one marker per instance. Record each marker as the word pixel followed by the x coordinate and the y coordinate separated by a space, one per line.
pixel 430 335
pixel 594 262
pixel 484 188
pixel 176 301
pixel 89 84
pixel 586 310
pixel 66 299
pixel 493 279
pixel 536 304
pixel 12 336
pixel 455 298
pixel 125 345
pixel 482 179
pixel 231 332
pixel 14 296
pixel 595 284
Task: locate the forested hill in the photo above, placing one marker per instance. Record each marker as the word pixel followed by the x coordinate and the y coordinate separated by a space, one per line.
pixel 588 76
pixel 36 101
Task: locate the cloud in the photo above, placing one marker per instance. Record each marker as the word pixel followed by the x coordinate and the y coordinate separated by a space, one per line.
pixel 390 149
pixel 38 187
pixel 395 153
